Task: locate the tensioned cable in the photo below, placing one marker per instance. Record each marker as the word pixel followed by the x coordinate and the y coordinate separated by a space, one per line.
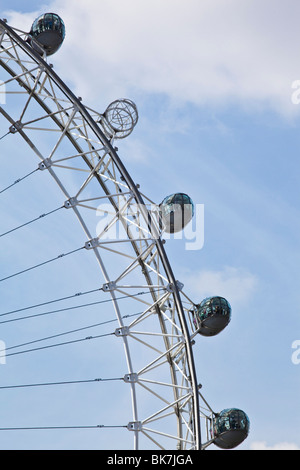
pixel 42 264
pixel 31 221
pixel 39 428
pixel 78 294
pixel 70 332
pixel 68 308
pixel 62 334
pixel 87 338
pixel 18 181
pixel 4 135
pixel 66 382
pixel 61 310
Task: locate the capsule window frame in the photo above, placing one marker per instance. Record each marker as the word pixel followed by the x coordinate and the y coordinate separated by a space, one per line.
pixel 42 23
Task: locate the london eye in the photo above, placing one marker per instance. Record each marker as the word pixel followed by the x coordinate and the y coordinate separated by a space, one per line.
pixel 64 153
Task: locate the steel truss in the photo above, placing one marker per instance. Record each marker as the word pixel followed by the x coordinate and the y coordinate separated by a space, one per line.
pixel 158 343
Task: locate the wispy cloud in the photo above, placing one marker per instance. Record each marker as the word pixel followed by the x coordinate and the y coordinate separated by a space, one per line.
pixel 211 52
pixel 235 284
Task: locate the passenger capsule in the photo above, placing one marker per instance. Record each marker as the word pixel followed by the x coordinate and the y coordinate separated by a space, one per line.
pixel 212 315
pixel 176 212
pixel 47 31
pixel 231 428
pixel 120 118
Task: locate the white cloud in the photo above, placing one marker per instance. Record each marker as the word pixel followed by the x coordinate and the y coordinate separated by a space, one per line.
pixel 235 284
pixel 209 52
pixel 280 446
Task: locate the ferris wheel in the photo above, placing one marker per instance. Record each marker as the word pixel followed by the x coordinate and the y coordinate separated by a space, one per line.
pixel 73 147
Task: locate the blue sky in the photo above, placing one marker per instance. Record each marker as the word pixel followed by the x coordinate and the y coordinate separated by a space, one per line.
pixel 213 86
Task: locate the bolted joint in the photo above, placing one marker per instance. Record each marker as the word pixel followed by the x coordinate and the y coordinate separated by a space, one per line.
pixel 123 331
pixel 171 288
pixel 94 243
pixel 46 163
pixel 131 378
pixel 17 126
pixel 109 286
pixel 72 202
pixel 135 426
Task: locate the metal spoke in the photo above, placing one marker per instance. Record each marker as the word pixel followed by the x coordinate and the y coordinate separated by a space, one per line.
pixel 77 152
